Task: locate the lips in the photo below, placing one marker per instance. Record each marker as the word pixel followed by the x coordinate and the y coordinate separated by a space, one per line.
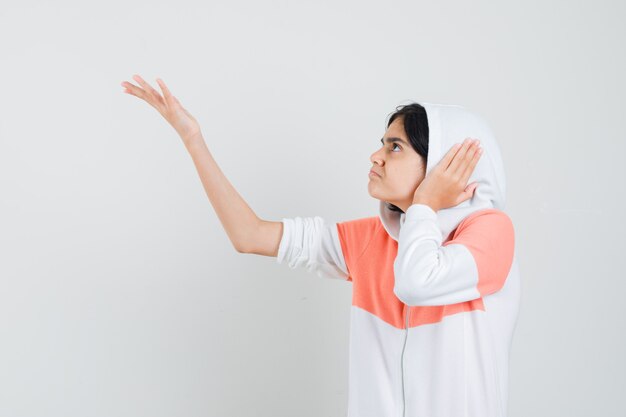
pixel 372 172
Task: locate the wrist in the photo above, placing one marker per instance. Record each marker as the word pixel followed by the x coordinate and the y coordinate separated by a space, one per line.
pixel 426 201
pixel 193 140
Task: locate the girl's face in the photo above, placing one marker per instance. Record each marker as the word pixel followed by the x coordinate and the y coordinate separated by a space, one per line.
pixel 401 169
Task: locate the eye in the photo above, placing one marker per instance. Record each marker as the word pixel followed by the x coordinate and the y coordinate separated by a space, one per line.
pixel 394 144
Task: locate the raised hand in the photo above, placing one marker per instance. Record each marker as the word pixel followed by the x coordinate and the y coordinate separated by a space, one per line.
pixel 168 105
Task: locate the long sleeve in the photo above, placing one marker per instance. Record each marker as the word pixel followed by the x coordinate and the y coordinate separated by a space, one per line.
pixel 474 263
pixel 312 244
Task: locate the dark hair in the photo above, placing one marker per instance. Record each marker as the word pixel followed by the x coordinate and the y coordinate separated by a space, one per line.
pixel 416 128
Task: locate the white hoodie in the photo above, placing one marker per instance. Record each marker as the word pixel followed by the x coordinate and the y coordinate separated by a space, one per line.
pixel 435 294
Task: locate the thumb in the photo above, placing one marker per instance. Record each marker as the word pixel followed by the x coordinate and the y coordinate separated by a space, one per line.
pixel 471 188
pixel 469 191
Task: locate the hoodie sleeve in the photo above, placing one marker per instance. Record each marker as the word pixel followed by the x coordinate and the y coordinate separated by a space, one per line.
pixel 312 244
pixel 475 262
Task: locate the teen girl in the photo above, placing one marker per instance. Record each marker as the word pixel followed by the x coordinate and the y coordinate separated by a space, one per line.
pixel 436 287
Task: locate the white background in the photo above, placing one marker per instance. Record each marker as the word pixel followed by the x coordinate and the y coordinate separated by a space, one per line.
pixel 120 292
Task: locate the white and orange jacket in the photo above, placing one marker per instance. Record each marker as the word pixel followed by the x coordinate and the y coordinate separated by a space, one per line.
pixel 435 294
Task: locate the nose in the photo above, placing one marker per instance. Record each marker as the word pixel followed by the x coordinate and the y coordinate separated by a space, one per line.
pixel 376 158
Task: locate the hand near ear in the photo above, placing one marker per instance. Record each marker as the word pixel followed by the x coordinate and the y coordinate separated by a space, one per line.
pixel 446 184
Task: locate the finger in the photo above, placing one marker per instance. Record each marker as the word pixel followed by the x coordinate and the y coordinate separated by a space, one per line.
pixel 459 159
pixel 150 92
pixel 166 92
pixel 447 158
pixel 475 155
pixel 135 91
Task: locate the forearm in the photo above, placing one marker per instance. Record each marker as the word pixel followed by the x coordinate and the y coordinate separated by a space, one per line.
pixel 236 216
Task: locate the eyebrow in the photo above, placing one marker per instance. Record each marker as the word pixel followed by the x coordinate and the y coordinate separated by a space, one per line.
pixel 391 140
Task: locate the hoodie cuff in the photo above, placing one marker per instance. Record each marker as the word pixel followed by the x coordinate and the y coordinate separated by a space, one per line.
pixel 285 240
pixel 419 212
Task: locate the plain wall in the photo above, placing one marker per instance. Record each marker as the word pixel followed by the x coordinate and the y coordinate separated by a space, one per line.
pixel 120 292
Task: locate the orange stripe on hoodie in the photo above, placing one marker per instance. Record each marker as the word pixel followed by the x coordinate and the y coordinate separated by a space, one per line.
pixel 370 252
pixel 490 237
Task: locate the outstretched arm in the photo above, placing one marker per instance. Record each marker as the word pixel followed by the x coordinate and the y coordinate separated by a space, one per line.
pixel 246 231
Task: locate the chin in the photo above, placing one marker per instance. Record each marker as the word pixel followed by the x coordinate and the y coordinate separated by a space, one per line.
pixel 379 198
pixel 372 192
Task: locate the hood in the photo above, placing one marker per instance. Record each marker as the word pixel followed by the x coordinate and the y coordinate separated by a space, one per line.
pixel 449 124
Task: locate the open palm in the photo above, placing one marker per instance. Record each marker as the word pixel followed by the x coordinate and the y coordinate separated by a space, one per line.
pixel 168 105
